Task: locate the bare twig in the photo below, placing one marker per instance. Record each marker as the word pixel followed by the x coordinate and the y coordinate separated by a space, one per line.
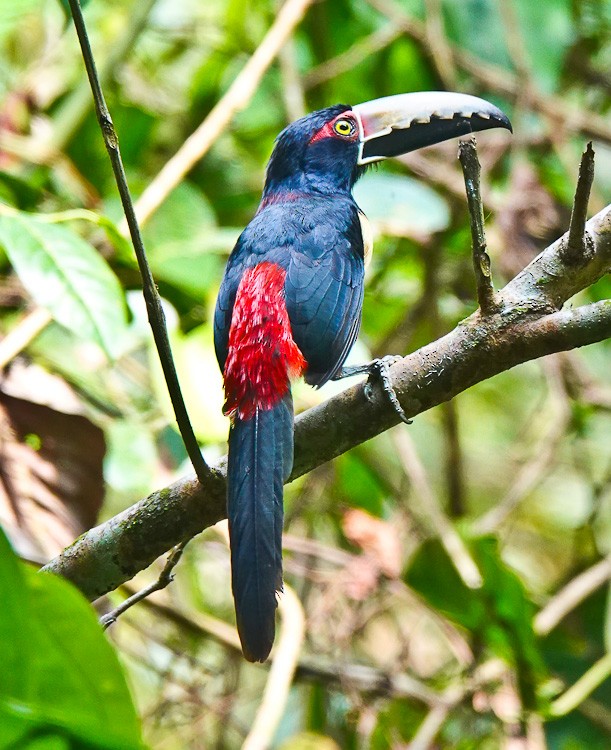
pixel 438 43
pixel 585 686
pixel 23 334
pixel 237 97
pixel 285 659
pixel 73 111
pixel 543 455
pixel 153 302
pixel 165 578
pixel 571 596
pixel 197 623
pixel 454 465
pixel 348 60
pixel 429 508
pixel 467 153
pixel 576 249
pixel 427 731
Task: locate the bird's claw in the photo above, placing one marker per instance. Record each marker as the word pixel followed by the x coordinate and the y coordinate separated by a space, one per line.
pixel 379 370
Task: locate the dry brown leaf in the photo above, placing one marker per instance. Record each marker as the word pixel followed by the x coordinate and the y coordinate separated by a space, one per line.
pixel 51 480
pixel 378 539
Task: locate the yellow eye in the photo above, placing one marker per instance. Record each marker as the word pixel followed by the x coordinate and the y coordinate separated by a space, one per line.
pixel 344 127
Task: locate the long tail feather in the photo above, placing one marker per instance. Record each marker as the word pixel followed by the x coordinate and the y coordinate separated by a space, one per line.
pixel 260 461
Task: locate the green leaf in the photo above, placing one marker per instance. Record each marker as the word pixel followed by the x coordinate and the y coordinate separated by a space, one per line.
pixel 66 275
pixel 477 25
pixel 401 205
pixel 185 245
pixel 548 32
pixel 60 680
pixel 499 614
pixel 432 574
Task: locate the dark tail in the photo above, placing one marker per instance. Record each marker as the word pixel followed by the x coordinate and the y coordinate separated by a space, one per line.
pixel 260 461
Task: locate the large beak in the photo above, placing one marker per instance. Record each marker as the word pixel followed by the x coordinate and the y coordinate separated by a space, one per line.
pixel 397 124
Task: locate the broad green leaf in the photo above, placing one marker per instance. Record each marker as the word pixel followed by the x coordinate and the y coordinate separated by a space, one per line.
pixel 14 617
pixel 60 680
pixel 477 25
pixel 548 32
pixel 499 614
pixel 123 247
pixel 433 575
pixel 401 205
pixel 185 245
pixel 12 13
pixel 200 380
pixel 362 487
pixel 65 274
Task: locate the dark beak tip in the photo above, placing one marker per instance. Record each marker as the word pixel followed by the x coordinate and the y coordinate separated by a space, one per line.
pixel 501 120
pixel 406 122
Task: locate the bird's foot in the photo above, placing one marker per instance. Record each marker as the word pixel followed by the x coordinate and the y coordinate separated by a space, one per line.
pixel 378 369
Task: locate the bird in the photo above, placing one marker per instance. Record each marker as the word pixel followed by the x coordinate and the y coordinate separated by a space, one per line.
pixel 289 305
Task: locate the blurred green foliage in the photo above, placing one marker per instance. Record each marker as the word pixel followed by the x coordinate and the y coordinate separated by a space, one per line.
pixel 62 685
pixel 535 441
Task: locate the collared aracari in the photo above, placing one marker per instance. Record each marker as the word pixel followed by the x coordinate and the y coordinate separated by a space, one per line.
pixel 290 304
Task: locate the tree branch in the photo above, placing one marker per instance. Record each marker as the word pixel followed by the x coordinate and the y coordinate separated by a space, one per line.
pixel 165 579
pixel 528 324
pixel 576 248
pixel 467 154
pixel 152 299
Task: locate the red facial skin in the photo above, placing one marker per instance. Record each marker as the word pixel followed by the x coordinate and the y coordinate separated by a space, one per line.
pixel 262 355
pixel 327 130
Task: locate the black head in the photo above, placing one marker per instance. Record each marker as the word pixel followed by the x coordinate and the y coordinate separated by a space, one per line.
pixel 316 154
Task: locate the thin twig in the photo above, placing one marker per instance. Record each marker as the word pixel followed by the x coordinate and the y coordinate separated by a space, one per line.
pixel 438 43
pixel 23 334
pixel 285 659
pixel 73 111
pixel 571 596
pixel 454 462
pixel 427 731
pixel 236 98
pixel 543 455
pixel 165 578
pixel 580 690
pixel 348 60
pixel 467 154
pixel 576 249
pixel 153 302
pixel 429 508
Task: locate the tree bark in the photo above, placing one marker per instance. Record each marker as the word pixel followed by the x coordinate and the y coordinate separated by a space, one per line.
pixel 528 323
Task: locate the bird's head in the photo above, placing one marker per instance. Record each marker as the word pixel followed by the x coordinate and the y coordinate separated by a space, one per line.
pixel 326 151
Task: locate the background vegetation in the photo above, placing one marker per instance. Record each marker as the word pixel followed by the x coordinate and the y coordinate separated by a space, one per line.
pixel 399 649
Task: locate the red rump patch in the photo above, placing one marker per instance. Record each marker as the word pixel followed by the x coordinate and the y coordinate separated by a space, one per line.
pixel 262 354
